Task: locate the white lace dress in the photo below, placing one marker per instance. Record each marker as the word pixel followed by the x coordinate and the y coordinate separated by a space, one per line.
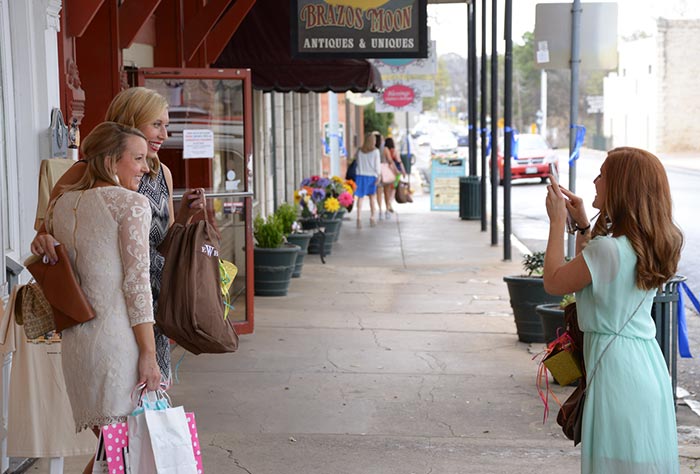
pixel 105 231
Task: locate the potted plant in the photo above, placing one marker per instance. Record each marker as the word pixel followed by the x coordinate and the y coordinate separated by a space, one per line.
pixel 526 292
pixel 287 216
pixel 552 317
pixel 274 259
pixel 322 202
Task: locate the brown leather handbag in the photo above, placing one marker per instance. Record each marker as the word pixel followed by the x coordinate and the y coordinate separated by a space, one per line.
pixel 61 288
pixel 571 412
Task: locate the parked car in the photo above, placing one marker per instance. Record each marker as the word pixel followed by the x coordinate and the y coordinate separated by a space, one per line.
pixel 533 158
pixel 443 142
pixel 462 134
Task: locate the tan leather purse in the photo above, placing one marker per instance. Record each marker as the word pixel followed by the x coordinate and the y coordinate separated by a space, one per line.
pixel 33 311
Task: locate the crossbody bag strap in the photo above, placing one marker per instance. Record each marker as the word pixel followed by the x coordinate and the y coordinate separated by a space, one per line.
pixel 595 368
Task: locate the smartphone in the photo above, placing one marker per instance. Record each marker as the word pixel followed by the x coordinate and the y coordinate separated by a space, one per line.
pixel 553 171
pixel 570 223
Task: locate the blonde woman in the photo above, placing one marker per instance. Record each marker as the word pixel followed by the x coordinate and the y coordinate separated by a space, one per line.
pixel 368 172
pixel 104 225
pixel 146 110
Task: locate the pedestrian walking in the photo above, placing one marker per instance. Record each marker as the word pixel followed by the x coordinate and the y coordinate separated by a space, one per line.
pixel 629 421
pixel 368 173
pixel 391 168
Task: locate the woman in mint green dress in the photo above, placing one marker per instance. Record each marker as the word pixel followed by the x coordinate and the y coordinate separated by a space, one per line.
pixel 629 421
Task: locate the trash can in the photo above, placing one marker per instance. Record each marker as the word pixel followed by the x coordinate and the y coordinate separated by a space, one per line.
pixel 664 312
pixel 470 197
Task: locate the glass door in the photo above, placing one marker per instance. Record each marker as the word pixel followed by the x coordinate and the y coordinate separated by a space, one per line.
pixel 210 145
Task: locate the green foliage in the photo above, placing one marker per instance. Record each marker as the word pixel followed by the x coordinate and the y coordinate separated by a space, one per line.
pixel 567 300
pixel 268 233
pixel 286 215
pixel 377 121
pixel 533 263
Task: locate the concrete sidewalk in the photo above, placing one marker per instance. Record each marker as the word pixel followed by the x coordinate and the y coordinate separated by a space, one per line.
pixel 399 355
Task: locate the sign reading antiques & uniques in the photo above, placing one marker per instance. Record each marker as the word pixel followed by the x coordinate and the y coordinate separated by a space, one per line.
pixel 359 28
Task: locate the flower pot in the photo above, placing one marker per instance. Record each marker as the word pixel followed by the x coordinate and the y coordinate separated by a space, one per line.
pixel 340 215
pixel 552 319
pixel 273 269
pixel 331 227
pixel 525 294
pixel 302 240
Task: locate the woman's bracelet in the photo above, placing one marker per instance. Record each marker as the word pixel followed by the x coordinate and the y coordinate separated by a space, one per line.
pixel 582 230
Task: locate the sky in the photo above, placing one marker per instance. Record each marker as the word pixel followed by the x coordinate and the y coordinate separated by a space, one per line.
pixel 448 22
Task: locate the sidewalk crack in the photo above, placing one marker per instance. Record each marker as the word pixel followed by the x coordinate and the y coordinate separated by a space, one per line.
pixel 231 457
pixel 376 341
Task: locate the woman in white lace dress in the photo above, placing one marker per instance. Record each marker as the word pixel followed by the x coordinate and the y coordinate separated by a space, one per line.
pixel 104 225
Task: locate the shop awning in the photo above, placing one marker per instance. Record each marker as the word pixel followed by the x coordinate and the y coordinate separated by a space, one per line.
pixel 261 43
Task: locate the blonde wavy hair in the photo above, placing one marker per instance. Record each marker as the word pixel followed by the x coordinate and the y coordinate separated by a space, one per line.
pixel 107 140
pixel 638 205
pixel 136 107
pixel 369 144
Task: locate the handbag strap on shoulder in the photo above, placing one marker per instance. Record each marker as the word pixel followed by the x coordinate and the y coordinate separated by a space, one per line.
pixel 607 346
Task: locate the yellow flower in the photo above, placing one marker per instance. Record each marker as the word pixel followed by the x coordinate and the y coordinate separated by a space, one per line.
pixel 337 179
pixel 297 197
pixel 331 205
pixel 348 188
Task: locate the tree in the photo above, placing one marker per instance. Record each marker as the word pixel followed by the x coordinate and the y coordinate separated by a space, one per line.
pixel 379 121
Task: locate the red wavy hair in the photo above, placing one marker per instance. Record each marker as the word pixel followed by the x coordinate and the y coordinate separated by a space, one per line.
pixel 638 205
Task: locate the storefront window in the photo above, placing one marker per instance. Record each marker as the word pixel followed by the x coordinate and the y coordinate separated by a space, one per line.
pixel 206 147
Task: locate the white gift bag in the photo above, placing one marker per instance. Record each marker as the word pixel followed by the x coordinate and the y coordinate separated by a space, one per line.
pixel 171 441
pixel 159 438
pixel 140 459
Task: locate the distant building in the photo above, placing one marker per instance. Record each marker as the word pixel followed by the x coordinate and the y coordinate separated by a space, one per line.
pixel 652 100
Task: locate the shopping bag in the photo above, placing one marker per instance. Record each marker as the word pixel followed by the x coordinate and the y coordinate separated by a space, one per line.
pixel 161 439
pixel 112 448
pixel 171 441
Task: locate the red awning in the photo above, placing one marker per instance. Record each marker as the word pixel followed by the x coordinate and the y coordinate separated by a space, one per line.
pixel 261 43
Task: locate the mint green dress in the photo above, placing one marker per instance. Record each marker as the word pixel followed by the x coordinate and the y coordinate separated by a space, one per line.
pixel 629 421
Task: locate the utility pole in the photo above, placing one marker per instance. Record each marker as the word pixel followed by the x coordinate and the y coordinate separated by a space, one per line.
pixel 573 111
pixel 508 119
pixel 543 103
pixel 471 81
pixel 482 187
pixel 494 123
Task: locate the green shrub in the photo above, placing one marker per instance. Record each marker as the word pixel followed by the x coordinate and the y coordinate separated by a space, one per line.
pixel 533 263
pixel 268 233
pixel 286 215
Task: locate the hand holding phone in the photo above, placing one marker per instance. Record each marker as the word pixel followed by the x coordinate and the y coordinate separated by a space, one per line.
pixel 570 223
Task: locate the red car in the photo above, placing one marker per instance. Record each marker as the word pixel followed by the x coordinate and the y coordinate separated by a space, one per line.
pixel 533 158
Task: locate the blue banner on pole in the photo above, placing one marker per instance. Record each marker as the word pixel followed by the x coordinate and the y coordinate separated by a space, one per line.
pixel 683 345
pixel 488 140
pixel 580 136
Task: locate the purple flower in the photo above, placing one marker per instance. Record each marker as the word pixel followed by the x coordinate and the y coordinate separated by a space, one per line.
pixel 318 195
pixel 306 182
pixel 323 182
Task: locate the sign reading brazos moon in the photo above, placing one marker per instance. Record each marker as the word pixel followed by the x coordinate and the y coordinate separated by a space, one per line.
pixel 359 28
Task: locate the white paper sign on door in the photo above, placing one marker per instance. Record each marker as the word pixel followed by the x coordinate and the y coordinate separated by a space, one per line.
pixel 198 143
